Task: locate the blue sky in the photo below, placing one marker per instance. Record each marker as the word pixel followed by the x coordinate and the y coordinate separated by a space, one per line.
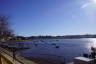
pixel 50 17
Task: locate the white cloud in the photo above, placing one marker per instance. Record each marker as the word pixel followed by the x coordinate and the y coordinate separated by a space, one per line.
pixel 90 3
pixel 85 5
pixel 89 9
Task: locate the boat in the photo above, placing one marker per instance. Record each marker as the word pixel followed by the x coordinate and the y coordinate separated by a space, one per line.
pixel 87 58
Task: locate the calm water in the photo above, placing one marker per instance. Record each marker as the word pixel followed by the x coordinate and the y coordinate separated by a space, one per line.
pixel 46 48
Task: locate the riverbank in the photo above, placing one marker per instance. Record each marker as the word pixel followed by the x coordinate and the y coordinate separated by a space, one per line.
pixel 46 61
pixel 18 40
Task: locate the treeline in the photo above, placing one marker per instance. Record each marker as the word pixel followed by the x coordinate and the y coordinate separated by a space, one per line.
pixel 63 37
pixel 22 38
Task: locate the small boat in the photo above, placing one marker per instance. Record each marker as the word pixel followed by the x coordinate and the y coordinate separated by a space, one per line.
pixel 53 44
pixel 57 46
pixel 36 44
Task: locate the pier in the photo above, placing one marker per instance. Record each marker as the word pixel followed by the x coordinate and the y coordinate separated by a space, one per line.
pixel 6 57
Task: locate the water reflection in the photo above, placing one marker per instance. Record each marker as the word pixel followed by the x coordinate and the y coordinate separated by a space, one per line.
pixel 92 42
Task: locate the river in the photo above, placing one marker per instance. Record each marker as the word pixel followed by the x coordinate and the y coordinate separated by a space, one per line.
pixel 57 49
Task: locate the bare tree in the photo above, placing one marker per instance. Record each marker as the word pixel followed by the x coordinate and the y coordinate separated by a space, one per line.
pixel 5 31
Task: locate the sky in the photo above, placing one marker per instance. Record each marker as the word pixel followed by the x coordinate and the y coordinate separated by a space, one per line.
pixel 50 17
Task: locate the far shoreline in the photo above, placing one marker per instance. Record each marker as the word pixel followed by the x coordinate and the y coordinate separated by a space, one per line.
pixel 45 38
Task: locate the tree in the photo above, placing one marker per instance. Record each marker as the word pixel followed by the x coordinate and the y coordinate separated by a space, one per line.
pixel 5 31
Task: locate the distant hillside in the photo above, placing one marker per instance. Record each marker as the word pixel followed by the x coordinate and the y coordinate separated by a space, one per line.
pixel 65 37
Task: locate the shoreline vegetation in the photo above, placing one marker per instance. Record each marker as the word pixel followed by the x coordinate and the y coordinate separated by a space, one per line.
pixel 22 38
pixel 64 37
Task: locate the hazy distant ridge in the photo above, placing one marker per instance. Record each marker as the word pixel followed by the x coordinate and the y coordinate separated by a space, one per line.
pixel 66 36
